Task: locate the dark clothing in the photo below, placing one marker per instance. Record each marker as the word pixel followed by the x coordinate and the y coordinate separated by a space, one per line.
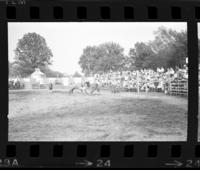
pixel 50 86
pixel 87 83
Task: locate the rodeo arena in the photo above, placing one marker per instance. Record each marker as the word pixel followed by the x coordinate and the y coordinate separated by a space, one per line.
pixel 170 81
pixel 140 105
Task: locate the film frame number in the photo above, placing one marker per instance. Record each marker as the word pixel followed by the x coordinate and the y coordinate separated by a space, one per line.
pixel 192 164
pixel 102 163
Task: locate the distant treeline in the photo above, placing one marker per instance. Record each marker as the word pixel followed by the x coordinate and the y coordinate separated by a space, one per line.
pixel 167 50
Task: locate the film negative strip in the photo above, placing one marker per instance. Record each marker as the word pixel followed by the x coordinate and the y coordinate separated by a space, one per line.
pixel 102 84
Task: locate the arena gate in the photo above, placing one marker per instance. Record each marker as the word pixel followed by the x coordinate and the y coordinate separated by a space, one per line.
pixel 179 87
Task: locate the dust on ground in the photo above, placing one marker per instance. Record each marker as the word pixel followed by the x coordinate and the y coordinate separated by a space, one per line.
pixel 41 115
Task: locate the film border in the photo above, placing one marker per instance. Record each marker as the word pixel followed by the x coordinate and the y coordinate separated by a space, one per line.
pixel 174 154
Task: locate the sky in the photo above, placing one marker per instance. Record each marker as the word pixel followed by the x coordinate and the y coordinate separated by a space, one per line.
pixel 68 39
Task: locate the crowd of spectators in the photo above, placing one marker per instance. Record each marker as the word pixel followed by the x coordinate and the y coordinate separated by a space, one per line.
pixel 142 80
pixel 139 80
pixel 15 84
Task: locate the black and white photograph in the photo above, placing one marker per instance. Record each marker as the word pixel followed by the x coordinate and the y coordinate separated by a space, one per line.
pixel 98 81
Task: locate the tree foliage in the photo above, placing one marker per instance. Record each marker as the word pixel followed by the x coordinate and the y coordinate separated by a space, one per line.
pixel 143 55
pixel 51 73
pixel 89 59
pixel 15 71
pixel 32 52
pixel 102 58
pixel 168 49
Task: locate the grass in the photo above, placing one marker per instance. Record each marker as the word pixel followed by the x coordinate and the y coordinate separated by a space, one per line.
pixel 57 116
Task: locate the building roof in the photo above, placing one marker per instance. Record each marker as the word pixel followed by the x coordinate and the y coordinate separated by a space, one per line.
pixel 37 73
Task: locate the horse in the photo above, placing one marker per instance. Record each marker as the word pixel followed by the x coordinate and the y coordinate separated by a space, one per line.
pixel 80 87
pixel 94 87
pixel 84 87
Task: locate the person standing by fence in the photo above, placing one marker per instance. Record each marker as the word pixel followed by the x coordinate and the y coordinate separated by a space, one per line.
pixel 51 86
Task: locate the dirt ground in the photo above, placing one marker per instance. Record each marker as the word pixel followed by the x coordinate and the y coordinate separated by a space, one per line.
pixel 42 115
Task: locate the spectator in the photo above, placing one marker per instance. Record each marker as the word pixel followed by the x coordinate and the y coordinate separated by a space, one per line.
pixel 146 79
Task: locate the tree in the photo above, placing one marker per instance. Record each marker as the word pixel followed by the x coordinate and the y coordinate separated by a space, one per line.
pixel 13 69
pixel 32 52
pixel 171 47
pixel 88 59
pixel 130 60
pixel 77 74
pixel 51 73
pixel 168 49
pixel 112 58
pixel 143 55
pixel 102 58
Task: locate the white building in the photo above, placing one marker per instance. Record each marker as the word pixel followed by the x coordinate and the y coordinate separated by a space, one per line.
pixel 38 77
pixel 37 80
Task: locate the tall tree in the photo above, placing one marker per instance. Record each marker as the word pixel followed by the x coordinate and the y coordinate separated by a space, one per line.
pixel 88 59
pixel 112 57
pixel 171 47
pixel 143 56
pixel 168 49
pixel 102 58
pixel 13 69
pixel 32 52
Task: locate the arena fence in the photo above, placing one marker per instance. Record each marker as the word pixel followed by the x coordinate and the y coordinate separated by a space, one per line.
pixel 176 87
pixel 179 87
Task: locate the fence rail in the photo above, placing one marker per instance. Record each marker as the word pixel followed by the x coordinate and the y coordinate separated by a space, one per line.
pixel 176 87
pixel 179 87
